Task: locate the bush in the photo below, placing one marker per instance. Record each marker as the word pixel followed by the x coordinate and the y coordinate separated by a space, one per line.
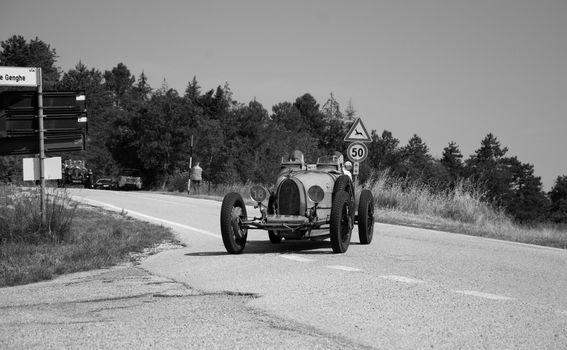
pixel 20 216
pixel 178 182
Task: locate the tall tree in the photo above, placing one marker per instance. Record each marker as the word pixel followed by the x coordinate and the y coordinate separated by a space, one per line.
pixel 525 200
pixel 331 109
pixel 350 112
pixel 100 116
pixel 487 167
pixel 17 52
pixel 312 116
pixel 193 90
pixel 163 135
pixel 452 161
pixel 288 116
pixel 558 197
pixel 119 81
pixel 384 152
pixel 142 90
pixel 416 159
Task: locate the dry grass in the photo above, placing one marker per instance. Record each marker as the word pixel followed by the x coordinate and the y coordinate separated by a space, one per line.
pixel 459 210
pixel 90 238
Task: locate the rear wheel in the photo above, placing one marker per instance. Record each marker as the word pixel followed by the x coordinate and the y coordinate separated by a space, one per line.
pixel 233 212
pixel 341 222
pixel 344 184
pixel 365 217
pixel 274 238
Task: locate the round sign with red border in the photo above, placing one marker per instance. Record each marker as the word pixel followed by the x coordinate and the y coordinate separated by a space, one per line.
pixel 357 152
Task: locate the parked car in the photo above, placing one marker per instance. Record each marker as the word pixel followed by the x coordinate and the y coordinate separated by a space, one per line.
pixel 75 173
pixel 129 179
pixel 307 202
pixel 105 184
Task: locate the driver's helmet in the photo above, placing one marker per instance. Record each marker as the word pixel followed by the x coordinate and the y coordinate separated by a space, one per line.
pixel 348 165
pixel 296 156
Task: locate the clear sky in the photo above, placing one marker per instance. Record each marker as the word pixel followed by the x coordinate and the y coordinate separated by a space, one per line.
pixel 447 70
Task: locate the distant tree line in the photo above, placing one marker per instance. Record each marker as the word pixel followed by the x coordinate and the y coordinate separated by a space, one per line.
pixel 132 125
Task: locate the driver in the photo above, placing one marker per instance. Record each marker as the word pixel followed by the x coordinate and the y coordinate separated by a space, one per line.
pixel 296 158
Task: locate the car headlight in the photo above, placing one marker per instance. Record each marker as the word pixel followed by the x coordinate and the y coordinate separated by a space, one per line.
pixel 316 194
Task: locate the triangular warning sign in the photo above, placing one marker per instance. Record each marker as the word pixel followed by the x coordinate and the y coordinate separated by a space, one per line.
pixel 358 133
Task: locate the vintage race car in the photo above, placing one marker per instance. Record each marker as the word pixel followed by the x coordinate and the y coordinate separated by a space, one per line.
pixel 307 202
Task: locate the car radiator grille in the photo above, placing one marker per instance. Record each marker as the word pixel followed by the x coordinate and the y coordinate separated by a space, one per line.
pixel 288 200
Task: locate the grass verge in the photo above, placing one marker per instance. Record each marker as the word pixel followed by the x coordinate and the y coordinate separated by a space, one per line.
pixel 459 210
pixel 96 239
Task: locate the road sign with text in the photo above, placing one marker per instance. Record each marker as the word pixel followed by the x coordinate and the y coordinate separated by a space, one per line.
pixel 357 152
pixel 18 76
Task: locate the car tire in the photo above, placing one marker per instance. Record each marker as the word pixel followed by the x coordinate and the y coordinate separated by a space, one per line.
pixel 233 211
pixel 272 235
pixel 344 184
pixel 365 217
pixel 341 222
pixel 274 238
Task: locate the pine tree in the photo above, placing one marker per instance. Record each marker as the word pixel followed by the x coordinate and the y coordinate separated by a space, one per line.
pixel 487 167
pixel 416 159
pixel 193 90
pixel 558 197
pixel 452 161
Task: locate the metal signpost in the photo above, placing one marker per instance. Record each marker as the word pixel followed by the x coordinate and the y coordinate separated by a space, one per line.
pixel 23 115
pixel 190 166
pixel 357 150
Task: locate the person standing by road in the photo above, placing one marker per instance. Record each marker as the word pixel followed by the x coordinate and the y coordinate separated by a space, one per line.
pixel 196 177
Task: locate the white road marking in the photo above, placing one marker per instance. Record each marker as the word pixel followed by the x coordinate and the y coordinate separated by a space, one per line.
pixel 295 258
pixel 483 295
pixel 343 268
pixel 402 279
pixel 148 217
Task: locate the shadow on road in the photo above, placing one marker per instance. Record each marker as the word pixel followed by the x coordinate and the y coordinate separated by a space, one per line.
pixel 290 246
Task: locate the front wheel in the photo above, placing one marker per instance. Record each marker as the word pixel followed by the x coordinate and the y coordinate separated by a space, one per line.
pixel 365 217
pixel 233 212
pixel 341 222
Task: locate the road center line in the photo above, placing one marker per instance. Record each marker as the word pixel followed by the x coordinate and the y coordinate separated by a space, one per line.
pixel 343 268
pixel 402 279
pixel 483 295
pixel 295 258
pixel 148 217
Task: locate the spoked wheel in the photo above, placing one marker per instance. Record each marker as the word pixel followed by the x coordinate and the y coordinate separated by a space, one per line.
pixel 234 234
pixel 365 217
pixel 341 222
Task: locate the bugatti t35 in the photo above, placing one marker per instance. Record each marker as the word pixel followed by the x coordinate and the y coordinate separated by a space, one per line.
pixel 315 201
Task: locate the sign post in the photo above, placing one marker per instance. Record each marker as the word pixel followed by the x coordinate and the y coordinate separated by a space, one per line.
pixel 357 150
pixel 25 115
pixel 190 166
pixel 41 145
pixel 30 77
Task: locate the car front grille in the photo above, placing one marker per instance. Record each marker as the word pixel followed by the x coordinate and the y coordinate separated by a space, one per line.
pixel 288 199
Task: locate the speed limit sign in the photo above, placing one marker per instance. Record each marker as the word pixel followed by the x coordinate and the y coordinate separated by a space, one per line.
pixel 357 152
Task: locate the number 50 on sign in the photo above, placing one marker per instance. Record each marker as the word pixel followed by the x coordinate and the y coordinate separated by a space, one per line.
pixel 357 152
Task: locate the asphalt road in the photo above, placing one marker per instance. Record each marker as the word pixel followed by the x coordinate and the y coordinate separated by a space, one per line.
pixel 410 288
